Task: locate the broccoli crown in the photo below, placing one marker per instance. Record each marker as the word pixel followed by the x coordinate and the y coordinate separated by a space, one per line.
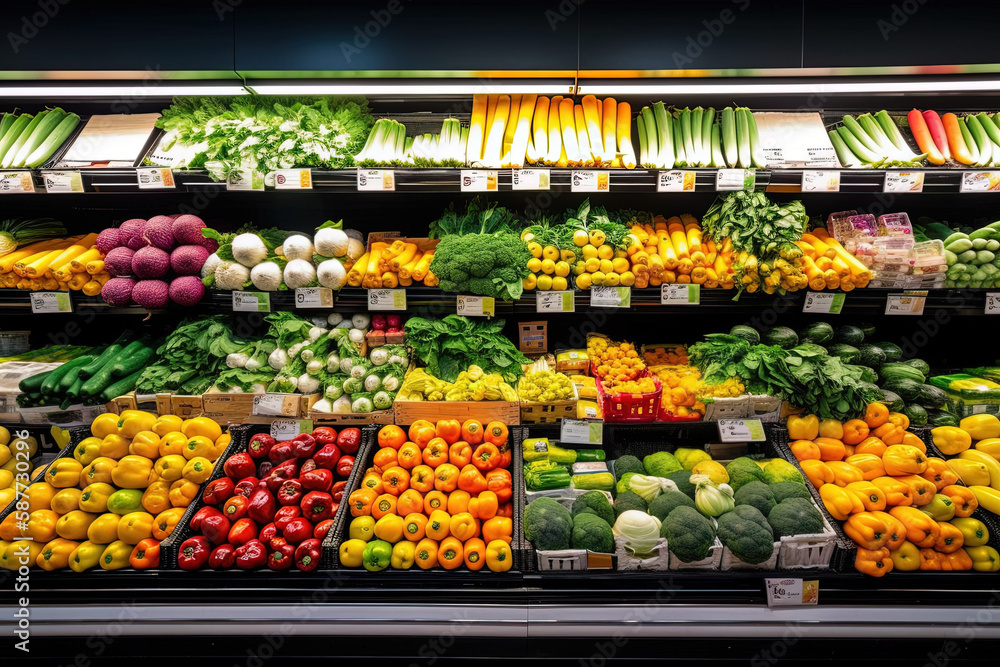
pixel 690 535
pixel 661 464
pixel 547 524
pixel 628 500
pixel 795 516
pixel 743 471
pixel 487 264
pixel 628 463
pixel 747 534
pixel 756 494
pixel 783 490
pixel 665 503
pixel 592 533
pixel 682 478
pixel 597 503
pixel 779 470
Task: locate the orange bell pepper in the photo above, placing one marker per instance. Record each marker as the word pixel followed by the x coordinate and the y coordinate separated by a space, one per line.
pixel 484 506
pixel 422 478
pixel 414 526
pixel 361 501
pixel 875 563
pixel 451 554
pixel 922 530
pixel 876 414
pixel 472 431
pixel 870 445
pixel 384 504
pixel 458 501
pixel 435 500
pixel 830 449
pixel 486 457
pixel 938 473
pixel 844 473
pixel 449 429
pixel 899 419
pixel 903 460
pixel 498 528
pixel 409 456
pixel 495 433
pixel 818 472
pixel 805 450
pixel 869 465
pixel 499 482
pixel 896 492
pixel 855 430
pixel 464 527
pixel 840 502
pixel 385 458
pixel 146 554
pixel 446 477
pixel 896 531
pixel 951 538
pixel 475 554
pixel 867 530
pixel 930 560
pixel 436 452
pixel 963 498
pixel 421 432
pixel 872 497
pixel 913 440
pixel 472 480
pixel 890 434
pixel 372 480
pixel 395 480
pixel 426 554
pixel 506 510
pixel 391 436
pixel 460 454
pixel 409 501
pixel 959 560
pixel 438 525
pixel 921 490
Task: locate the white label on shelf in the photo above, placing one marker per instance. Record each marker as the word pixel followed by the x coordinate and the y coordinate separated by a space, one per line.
pixel 824 302
pixel 555 302
pixel 675 181
pixel 993 303
pixel 741 430
pixel 775 157
pixel 293 179
pixel 155 178
pixel 821 157
pixel 907 303
pixel 980 181
pixel 251 302
pixel 903 181
pixel 475 306
pixel 590 181
pixel 610 297
pixel 51 302
pixel 820 181
pixel 270 405
pixel 16 182
pixel 479 180
pixel 62 181
pixel 679 294
pixel 582 431
pixel 387 299
pixel 245 180
pixel 313 297
pixel 287 429
pixel 734 179
pixel 530 179
pixel 376 180
pixel 784 592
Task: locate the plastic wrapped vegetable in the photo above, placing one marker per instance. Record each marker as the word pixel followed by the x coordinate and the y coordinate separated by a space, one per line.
pixel 599 481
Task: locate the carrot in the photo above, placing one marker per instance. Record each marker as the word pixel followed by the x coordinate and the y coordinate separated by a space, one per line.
pixel 423 267
pixel 922 135
pixel 959 150
pixel 936 128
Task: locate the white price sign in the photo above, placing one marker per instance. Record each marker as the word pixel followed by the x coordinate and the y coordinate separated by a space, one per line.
pixel 530 179
pixel 245 180
pixel 582 431
pixel 287 429
pixel 611 297
pixel 820 181
pixel 376 180
pixel 293 179
pixel 273 405
pixel 387 299
pixel 555 302
pixel 903 181
pixel 16 182
pixel 821 157
pixel 993 303
pixel 785 592
pixel 823 302
pixel 980 181
pixel 51 302
pixel 775 157
pixel 590 181
pixel 479 180
pixel 680 294
pixel 251 302
pixel 907 303
pixel 475 306
pixel 313 297
pixel 741 430
pixel 62 181
pixel 155 178
pixel 734 179
pixel 675 181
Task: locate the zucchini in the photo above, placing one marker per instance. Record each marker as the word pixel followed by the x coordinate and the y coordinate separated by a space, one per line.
pixel 33 383
pixel 127 365
pixel 51 383
pixel 941 418
pixel 892 351
pixel 905 387
pixel 847 353
pixel 71 377
pixel 931 397
pixel 850 335
pixel 892 400
pixel 586 455
pixel 102 378
pixel 916 414
pixel 127 384
pixel 920 365
pixel 901 370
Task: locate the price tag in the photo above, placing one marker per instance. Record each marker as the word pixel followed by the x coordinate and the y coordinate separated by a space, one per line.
pixel 51 302
pixel 376 180
pixel 530 179
pixel 582 431
pixel 387 299
pixel 775 157
pixel 611 297
pixel 287 429
pixel 741 430
pixel 993 303
pixel 479 180
pixel 155 178
pixel 907 303
pixel 680 294
pixel 590 181
pixel 313 297
pixel 274 405
pixel 980 181
pixel 820 181
pixel 784 592
pixel 675 181
pixel 903 181
pixel 475 306
pixel 245 180
pixel 62 181
pixel 251 302
pixel 16 182
pixel 293 179
pixel 821 157
pixel 734 179
pixel 555 302
pixel 823 302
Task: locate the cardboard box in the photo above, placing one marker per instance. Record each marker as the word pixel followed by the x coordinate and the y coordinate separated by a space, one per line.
pixel 533 337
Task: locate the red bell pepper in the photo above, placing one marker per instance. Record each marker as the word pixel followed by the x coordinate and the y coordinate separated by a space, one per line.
pixel 349 440
pixel 324 435
pixel 304 445
pixel 486 457
pixel 281 472
pixel 146 554
pixel 290 492
pixel 218 491
pixel 337 491
pixel 194 553
pixel 268 532
pixel 236 508
pixel 307 555
pixel 222 556
pixel 239 466
pixel 307 465
pixel 322 528
pixel 262 506
pixel 317 506
pixel 260 445
pixel 263 468
pixel 282 557
pixel 284 515
pixel 327 457
pixel 200 515
pixel 316 480
pixel 275 542
pixel 281 452
pixel 242 532
pixel 251 555
pixel 345 465
pixel 216 529
pixel 245 487
pixel 297 530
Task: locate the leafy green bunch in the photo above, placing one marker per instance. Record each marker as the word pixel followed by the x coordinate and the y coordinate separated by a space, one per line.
pixel 449 345
pixel 756 225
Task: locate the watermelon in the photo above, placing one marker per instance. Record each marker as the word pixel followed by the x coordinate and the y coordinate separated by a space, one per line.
pixel 783 337
pixel 867 328
pixel 916 414
pixel 931 397
pixel 941 418
pixel 871 355
pixel 905 387
pixel 749 334
pixel 819 333
pixel 892 351
pixel 900 370
pixel 850 335
pixel 847 353
pixel 892 400
pixel 920 365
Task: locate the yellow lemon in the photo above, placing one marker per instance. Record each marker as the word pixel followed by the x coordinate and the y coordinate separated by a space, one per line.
pixel 534 265
pixel 529 282
pixel 559 283
pixel 596 237
pixel 620 265
pixel 544 282
pixel 567 256
pixel 562 269
pixel 589 251
pixel 550 252
pixel 607 266
pixel 548 266
pixel 612 279
pixel 621 253
pixel 597 278
pixel 628 278
pixel 579 267
pixel 580 238
pixel 605 252
pixel 583 281
pixel 535 249
pixel 592 264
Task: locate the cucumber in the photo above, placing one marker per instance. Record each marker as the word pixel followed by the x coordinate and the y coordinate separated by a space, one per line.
pixel 128 384
pixel 95 365
pixel 587 454
pixel 127 365
pixel 33 383
pixel 74 391
pixel 71 377
pixel 51 383
pixel 102 378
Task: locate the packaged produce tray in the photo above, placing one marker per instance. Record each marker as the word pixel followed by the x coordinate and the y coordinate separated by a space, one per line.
pixel 631 407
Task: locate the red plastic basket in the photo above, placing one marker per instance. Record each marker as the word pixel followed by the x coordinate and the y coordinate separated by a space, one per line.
pixel 631 407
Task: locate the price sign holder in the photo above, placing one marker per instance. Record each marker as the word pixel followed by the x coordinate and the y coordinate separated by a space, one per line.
pixel 675 181
pixel 251 302
pixel 611 297
pixel 555 302
pixel 293 179
pixel 681 294
pixel 245 180
pixel 980 181
pixel 530 179
pixel 820 181
pixel 155 178
pixel 479 180
pixel 287 429
pixel 51 302
pixel 903 182
pixel 741 430
pixel 791 592
pixel 376 180
pixel 62 181
pixel 590 181
pixel 387 299
pixel 824 302
pixel 907 303
pixel 275 405
pixel 727 180
pixel 992 303
pixel 582 431
pixel 313 297
pixel 475 306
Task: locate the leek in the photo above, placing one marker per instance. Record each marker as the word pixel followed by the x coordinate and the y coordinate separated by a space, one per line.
pixel 664 137
pixel 847 158
pixel 707 123
pixel 53 141
pixel 11 154
pixel 756 149
pixel 743 134
pixel 859 133
pixel 696 139
pixel 642 140
pixel 689 150
pixel 652 141
pixel 43 130
pixel 717 159
pixel 729 137
pixel 13 133
pixel 681 157
pixel 977 159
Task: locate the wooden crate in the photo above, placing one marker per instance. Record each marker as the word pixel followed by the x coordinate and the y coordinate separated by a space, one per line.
pixel 533 337
pixel 176 404
pixel 123 402
pixel 227 408
pixel 507 412
pixel 352 418
pixel 547 413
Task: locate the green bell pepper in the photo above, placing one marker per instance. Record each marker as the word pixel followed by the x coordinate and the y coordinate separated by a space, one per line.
pixel 377 555
pixel 125 501
pixel 939 509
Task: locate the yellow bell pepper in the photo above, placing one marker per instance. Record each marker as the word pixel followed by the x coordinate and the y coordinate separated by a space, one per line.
pixel 831 428
pixel 42 526
pixel 803 427
pixel 402 555
pixel 498 556
pixel 155 498
pixel 165 424
pixel 202 426
pixel 220 446
pixel 7 479
pixel 74 525
pixel 984 558
pixel 134 423
pixel 55 555
pixel 63 473
pixel 94 497
pixel 145 443
pixel 40 496
pixel 182 492
pixel 389 528
pixel 21 553
pixel 981 427
pixel 99 470
pixel 351 552
pixel 88 450
pixel 172 443
pixel 104 529
pixel 197 469
pixel 951 440
pixel 170 468
pixel 5 454
pixel 115 446
pixel 116 555
pixel 7 496
pixel 133 472
pixel 134 527
pixel 903 460
pixel 840 502
pixel 906 558
pixel 66 500
pixel 10 529
pixel 198 445
pixel 166 521
pixel 105 424
pixel 86 556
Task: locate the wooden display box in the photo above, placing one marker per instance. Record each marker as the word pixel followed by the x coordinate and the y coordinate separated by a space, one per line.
pixel 508 412
pixel 227 408
pixel 176 404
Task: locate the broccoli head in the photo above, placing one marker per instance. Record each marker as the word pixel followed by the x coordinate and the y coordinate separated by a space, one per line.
pixel 742 471
pixel 690 535
pixel 547 524
pixel 628 500
pixel 628 463
pixel 595 502
pixel 486 264
pixel 661 464
pixel 592 533
pixel 682 478
pixel 747 534
pixel 665 503
pixel 783 490
pixel 795 516
pixel 756 494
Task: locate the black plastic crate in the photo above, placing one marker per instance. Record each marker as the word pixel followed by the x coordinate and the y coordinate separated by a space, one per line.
pixel 77 433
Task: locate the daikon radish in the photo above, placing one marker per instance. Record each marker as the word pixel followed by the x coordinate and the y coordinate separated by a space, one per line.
pixel 477 128
pixel 522 133
pixel 554 128
pixel 609 122
pixel 513 113
pixel 582 137
pixel 539 126
pixel 624 124
pixel 494 140
pixel 569 136
pixel 592 117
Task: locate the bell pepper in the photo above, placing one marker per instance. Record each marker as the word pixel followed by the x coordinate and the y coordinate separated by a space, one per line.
pixel 904 460
pixel 974 531
pixel 216 528
pixel 135 527
pixel 326 457
pixel 458 501
pixel 413 501
pixel 20 553
pixel 297 530
pixel 349 440
pixel 930 560
pixel 172 443
pixel 436 452
pixel 426 553
pixel 890 434
pixel 895 532
pixel 65 501
pixel 251 555
pixel 242 532
pixel 114 447
pixel 950 540
pixel 873 562
pixel 474 554
pixel 345 465
pixel 281 558
pixel 922 530
pixel 971 473
pixel 831 428
pixel 499 481
pixel 803 427
pixel 384 504
pixel 472 480
pixel 899 420
pixel 414 527
pixel 170 468
pixel 182 492
pixel 166 521
pixel 281 452
pixel 156 497
pixel 981 427
pixel 855 431
pixel 498 528
pixel 307 555
pixel 818 472
pixel 872 497
pixel 222 557
pixel 280 473
pixel 939 474
pixel 104 529
pixel 907 557
pixel 246 487
pixel 116 555
pixel 446 478
pixel 41 526
pixel 840 502
pixel 73 525
pixel 940 508
pixel 869 465
pixel 145 555
pixel 984 558
pixel 403 555
pixel 377 555
pixel 39 496
pixel 197 470
pixel 63 473
pixel 484 506
pixel 94 497
pixel 959 560
pixel 284 515
pixel 324 435
pixel 260 444
pixel 459 454
pixel 921 491
pixel 290 492
pixel 136 422
pixel 56 554
pixel 317 480
pixel 262 506
pixel 85 556
pixel 463 526
pixel 361 501
pixel 844 473
pixel 352 552
pixel 317 506
pixel 867 530
pixel 303 445
pixel 438 525
pixel 498 556
pixel 896 492
pixel 88 450
pixel 421 478
pixel 951 440
pixel 486 457
pixel 337 491
pixel 963 498
pixel 269 534
pixel 218 491
pixel 9 528
pixel 395 480
pixel 239 466
pixel 145 444
pixel 451 554
pixel 385 458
